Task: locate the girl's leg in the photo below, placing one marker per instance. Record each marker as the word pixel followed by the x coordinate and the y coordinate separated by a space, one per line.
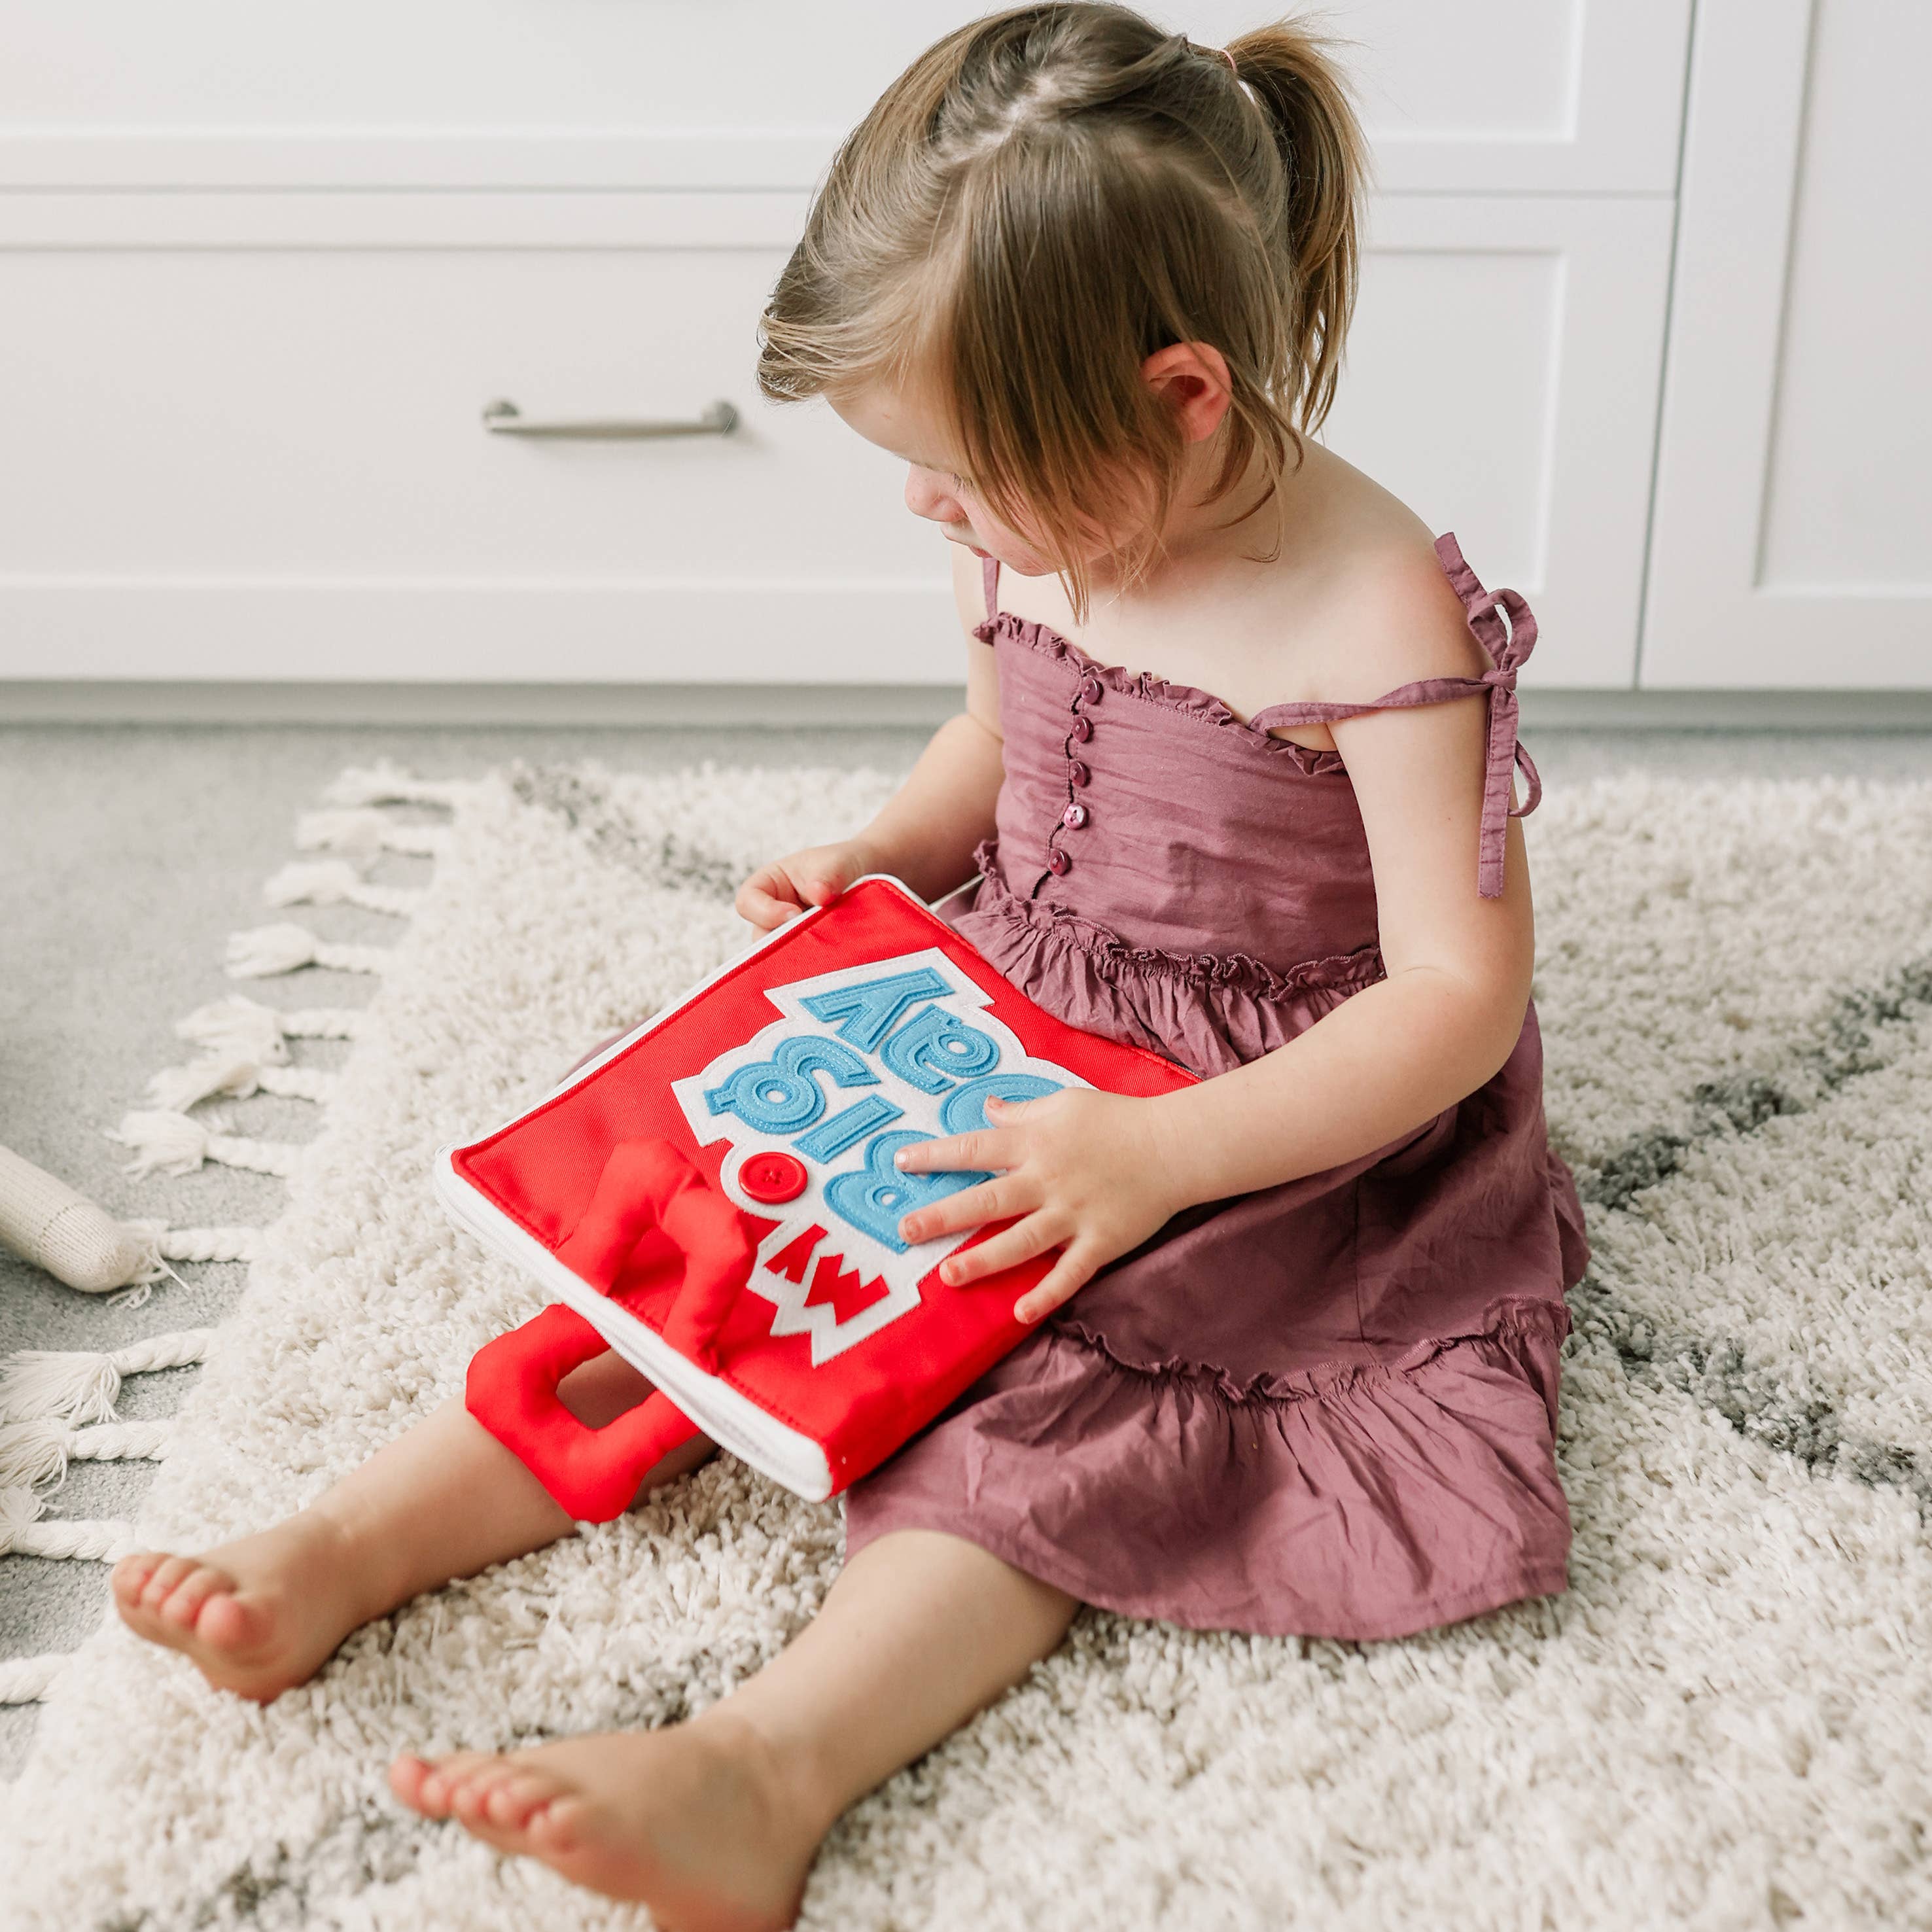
pixel 714 1822
pixel 444 1499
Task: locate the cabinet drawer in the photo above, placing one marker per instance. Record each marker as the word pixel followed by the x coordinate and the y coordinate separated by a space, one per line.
pixel 288 420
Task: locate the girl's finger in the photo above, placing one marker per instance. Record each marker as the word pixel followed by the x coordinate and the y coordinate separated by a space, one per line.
pixel 1008 1249
pixel 1072 1270
pixel 767 905
pixel 762 899
pixel 990 1200
pixel 988 1150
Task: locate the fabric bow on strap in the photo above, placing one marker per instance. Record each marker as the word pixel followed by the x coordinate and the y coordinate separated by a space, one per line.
pixel 1507 651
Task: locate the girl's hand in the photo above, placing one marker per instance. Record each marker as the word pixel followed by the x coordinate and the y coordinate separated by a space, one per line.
pixel 1080 1167
pixel 814 876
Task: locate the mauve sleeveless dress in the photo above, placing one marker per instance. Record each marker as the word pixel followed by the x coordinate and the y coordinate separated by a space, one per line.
pixel 1326 1407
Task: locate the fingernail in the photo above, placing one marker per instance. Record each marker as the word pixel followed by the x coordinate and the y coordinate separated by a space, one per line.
pixel 901 1159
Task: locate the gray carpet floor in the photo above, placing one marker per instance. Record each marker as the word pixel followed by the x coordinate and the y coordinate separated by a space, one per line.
pixel 129 854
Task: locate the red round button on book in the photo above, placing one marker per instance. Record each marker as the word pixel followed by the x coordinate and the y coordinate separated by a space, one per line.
pixel 773 1177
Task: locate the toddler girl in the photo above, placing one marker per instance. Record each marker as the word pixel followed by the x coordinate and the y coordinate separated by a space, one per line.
pixel 1235 775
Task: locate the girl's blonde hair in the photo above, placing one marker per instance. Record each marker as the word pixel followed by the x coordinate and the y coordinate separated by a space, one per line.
pixel 1044 198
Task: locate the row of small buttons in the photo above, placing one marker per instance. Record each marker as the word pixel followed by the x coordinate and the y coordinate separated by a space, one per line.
pixel 1078 774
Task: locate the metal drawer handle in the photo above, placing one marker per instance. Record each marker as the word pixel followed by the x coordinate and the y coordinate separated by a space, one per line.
pixel 504 418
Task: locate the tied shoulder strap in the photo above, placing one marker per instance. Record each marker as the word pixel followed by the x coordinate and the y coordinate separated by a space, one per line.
pixel 1507 649
pixel 989 575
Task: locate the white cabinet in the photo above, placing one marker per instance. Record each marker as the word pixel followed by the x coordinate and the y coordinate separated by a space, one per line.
pixel 261 270
pixel 1793 518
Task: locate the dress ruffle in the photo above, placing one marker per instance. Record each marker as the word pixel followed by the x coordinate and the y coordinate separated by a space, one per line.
pixel 1188 698
pixel 1209 1012
pixel 1362 1501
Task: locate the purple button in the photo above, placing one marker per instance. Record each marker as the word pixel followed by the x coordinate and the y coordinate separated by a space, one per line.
pixel 1074 815
pixel 1078 773
pixel 1057 861
pixel 1083 729
pixel 1090 689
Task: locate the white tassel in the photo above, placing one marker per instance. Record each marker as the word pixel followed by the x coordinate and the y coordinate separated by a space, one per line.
pixel 366 830
pixel 160 1244
pixel 32 1454
pixel 27 1680
pixel 268 950
pixel 77 1386
pixel 335 881
pixel 177 1145
pixel 387 783
pixel 196 1244
pixel 23 1533
pixel 178 1088
pixel 240 1025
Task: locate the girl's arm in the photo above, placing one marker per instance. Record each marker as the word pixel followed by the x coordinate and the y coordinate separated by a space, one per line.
pixel 1391 1056
pixel 926 831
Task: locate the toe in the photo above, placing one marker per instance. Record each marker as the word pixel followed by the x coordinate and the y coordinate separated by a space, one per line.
pixel 183 1602
pixel 470 1800
pixel 442 1779
pixel 129 1577
pixel 511 1804
pixel 557 1830
pixel 228 1622
pixel 162 1579
pixel 407 1775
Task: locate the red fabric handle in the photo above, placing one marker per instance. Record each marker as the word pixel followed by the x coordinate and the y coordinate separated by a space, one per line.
pixel 512 1383
pixel 593 1473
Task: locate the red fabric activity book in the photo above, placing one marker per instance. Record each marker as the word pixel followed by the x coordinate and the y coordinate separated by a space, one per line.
pixel 713 1196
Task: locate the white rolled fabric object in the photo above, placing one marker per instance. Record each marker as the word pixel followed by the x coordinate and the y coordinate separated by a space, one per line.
pixel 44 1221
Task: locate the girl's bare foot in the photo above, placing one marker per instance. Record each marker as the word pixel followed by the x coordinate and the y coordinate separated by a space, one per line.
pixel 256 1617
pixel 699 1821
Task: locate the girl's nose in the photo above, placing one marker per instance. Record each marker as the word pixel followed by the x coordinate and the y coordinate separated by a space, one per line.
pixel 926 497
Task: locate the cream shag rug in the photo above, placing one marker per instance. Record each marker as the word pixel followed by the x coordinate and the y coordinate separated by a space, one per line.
pixel 1722 1724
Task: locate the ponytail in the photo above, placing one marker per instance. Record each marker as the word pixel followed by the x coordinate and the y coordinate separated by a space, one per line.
pixel 1326 162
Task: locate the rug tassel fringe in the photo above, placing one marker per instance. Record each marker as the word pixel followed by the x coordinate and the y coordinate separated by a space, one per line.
pixel 367 830
pixel 27 1680
pixel 33 1454
pixel 387 783
pixel 240 1025
pixel 176 1144
pixel 337 882
pixel 267 949
pixel 24 1533
pixel 79 1386
pixel 176 1089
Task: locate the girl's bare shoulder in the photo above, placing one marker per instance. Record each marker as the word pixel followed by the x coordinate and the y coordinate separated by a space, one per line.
pixel 1379 610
